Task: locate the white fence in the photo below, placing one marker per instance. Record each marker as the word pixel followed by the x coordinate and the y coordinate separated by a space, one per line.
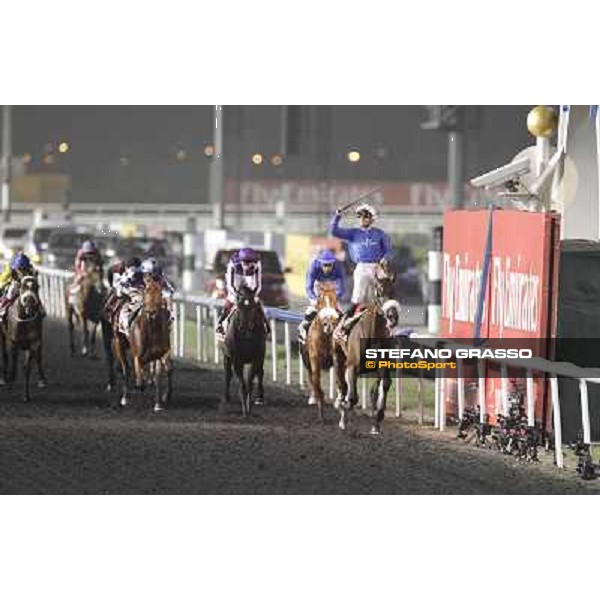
pixel 197 316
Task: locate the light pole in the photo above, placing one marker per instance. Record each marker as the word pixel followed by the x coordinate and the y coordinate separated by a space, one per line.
pixel 217 171
pixel 6 161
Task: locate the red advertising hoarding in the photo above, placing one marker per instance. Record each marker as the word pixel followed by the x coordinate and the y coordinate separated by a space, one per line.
pixel 520 290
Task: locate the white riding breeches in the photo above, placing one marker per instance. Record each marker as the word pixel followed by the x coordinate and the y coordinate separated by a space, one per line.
pixel 364 277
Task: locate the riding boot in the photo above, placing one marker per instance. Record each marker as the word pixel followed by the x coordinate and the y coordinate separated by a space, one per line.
pixel 305 326
pixel 224 314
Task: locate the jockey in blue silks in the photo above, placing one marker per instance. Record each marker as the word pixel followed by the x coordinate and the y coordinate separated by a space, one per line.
pixel 323 269
pixel 369 247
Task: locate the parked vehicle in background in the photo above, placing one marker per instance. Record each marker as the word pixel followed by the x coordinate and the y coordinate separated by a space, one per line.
pixel 12 240
pixel 63 245
pixel 38 237
pixel 274 288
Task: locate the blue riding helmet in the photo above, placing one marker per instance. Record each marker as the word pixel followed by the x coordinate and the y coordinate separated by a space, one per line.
pixel 327 257
pixel 20 261
pixel 247 255
pixel 88 247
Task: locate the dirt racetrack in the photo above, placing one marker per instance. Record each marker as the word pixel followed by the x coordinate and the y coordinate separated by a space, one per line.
pixel 68 440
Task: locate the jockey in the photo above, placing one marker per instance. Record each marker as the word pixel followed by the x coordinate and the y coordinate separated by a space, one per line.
pixel 369 247
pixel 244 268
pixel 151 268
pixel 323 269
pixel 88 252
pixel 11 278
pixel 128 288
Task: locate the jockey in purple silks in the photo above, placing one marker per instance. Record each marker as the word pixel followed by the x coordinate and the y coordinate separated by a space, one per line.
pixel 244 269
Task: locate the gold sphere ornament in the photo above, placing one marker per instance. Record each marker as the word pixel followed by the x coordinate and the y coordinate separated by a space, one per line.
pixel 542 121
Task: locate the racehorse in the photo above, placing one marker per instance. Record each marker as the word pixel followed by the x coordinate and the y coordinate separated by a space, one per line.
pixel 84 305
pixel 369 323
pixel 317 352
pixel 149 344
pixel 22 328
pixel 245 343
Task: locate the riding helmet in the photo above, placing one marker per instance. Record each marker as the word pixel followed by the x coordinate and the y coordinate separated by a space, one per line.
pixel 20 261
pixel 89 246
pixel 366 209
pixel 150 266
pixel 247 255
pixel 327 257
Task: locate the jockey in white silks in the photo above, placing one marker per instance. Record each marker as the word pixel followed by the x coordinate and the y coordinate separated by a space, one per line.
pixel 369 247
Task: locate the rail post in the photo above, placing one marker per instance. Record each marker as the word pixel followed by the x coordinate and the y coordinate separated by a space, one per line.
pixel 585 412
pixel 182 330
pixel 288 354
pixel 199 333
pixel 557 421
pixel 274 347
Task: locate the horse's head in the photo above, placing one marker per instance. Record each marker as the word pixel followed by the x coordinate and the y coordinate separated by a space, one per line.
pixel 391 312
pixel 247 309
pixel 383 285
pixel 152 297
pixel 29 300
pixel 326 307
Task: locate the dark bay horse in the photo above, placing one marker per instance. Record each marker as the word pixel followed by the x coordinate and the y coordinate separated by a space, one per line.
pixel 245 344
pixel 317 352
pixel 370 324
pixel 149 345
pixel 22 329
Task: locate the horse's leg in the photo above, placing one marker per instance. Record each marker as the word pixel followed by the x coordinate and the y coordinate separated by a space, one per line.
pixel 228 377
pixel 93 340
pixel 122 358
pixel 26 373
pixel 139 373
pixel 378 400
pixel 339 362
pixel 316 391
pixel 108 353
pixel 158 373
pixel 42 381
pixel 4 373
pixel 260 375
pixel 71 329
pixel 351 377
pixel 239 371
pixel 14 360
pixel 86 336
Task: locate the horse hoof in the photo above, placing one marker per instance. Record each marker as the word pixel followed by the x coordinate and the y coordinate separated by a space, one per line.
pixel 42 383
pixel 312 401
pixel 84 352
pixel 259 401
pixel 342 423
pixel 375 430
pixel 124 401
pixel 109 387
pixel 158 408
pixel 3 382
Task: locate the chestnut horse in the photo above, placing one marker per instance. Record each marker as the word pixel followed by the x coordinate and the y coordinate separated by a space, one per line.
pixel 149 344
pixel 369 323
pixel 317 352
pixel 22 328
pixel 84 306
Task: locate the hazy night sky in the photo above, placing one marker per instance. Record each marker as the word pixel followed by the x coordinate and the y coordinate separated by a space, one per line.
pixel 392 144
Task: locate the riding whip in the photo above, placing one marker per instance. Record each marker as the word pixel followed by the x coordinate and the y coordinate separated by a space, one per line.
pixel 356 200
